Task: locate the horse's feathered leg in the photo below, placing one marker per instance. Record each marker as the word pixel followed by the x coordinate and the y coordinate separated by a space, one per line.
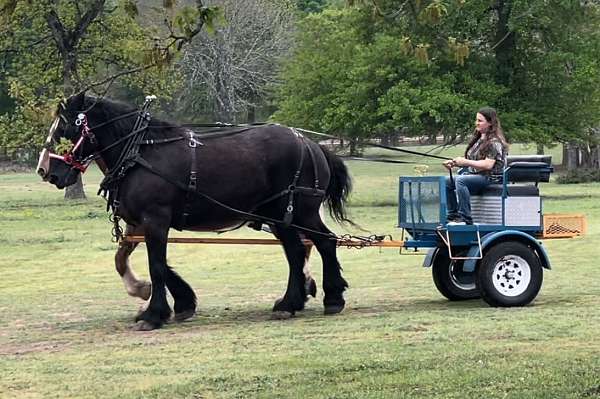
pixel 134 286
pixel 310 286
pixel 156 231
pixel 334 284
pixel 183 295
pixel 295 252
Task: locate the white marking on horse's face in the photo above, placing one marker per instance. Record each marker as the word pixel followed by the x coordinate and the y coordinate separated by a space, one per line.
pixel 52 130
pixel 43 166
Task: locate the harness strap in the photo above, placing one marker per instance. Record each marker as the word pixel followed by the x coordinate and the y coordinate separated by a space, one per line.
pixel 289 210
pixel 293 188
pixel 314 164
pixel 192 184
pixel 116 118
pixel 160 141
pixel 247 215
pixel 110 184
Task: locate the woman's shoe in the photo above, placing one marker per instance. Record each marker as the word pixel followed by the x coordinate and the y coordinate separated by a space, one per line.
pixel 456 223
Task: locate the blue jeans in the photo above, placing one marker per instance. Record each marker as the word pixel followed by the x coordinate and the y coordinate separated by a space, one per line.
pixel 459 198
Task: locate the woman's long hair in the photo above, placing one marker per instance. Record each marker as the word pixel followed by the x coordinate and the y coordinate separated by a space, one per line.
pixel 494 131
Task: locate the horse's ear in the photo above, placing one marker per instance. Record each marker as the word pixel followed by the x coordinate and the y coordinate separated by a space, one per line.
pixel 76 102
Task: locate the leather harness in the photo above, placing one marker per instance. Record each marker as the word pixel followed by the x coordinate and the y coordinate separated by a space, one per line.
pixel 290 191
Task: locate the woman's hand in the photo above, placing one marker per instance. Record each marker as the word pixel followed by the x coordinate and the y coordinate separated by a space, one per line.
pixel 448 164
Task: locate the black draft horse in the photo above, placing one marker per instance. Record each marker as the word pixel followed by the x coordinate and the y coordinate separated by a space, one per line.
pixel 176 178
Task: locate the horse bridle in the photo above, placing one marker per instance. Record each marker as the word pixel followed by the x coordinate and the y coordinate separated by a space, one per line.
pixel 70 158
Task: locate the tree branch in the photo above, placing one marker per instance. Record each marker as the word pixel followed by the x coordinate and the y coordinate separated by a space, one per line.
pixel 58 31
pixel 112 78
pixel 85 21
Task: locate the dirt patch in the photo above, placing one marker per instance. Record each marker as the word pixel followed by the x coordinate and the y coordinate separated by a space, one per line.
pixel 19 349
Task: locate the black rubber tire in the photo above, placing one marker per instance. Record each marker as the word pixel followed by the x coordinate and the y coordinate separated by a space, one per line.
pixel 450 280
pixel 498 287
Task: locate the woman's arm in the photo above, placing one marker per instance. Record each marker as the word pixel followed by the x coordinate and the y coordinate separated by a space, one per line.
pixel 483 164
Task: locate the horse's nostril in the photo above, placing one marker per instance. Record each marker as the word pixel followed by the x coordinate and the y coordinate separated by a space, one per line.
pixel 42 173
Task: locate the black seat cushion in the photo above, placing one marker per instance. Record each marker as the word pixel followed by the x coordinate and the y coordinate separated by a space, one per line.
pixel 546 159
pixel 529 168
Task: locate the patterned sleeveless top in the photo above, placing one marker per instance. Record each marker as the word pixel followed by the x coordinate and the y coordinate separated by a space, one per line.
pixel 495 151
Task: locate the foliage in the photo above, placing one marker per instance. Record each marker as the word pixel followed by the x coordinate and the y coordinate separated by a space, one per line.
pixel 426 66
pixel 54 49
pixel 579 175
pixel 350 74
pixel 311 5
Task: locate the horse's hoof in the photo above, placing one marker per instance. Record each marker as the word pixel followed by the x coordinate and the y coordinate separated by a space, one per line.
pixel 179 317
pixel 143 325
pixel 281 315
pixel 333 309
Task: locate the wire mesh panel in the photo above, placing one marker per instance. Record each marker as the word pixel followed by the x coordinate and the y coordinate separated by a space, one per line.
pixel 563 225
pixel 421 201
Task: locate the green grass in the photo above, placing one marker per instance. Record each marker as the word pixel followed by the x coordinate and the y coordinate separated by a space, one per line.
pixel 65 318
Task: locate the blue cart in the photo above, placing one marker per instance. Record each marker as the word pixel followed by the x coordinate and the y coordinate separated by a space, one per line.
pixel 499 258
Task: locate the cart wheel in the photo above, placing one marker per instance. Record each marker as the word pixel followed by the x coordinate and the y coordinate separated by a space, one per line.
pixel 510 274
pixel 450 279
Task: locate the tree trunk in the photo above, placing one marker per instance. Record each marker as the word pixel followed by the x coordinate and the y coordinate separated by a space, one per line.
pixel 354 148
pixel 385 139
pixel 251 114
pixel 595 157
pixel 572 161
pixel 76 190
pixel 586 156
pixel 505 44
pixel 432 138
pixel 540 149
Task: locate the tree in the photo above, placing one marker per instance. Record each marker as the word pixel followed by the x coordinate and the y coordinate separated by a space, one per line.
pixel 54 48
pixel 311 5
pixel 353 74
pixel 229 71
pixel 429 64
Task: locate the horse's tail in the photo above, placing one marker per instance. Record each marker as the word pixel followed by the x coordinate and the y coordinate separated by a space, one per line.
pixel 339 188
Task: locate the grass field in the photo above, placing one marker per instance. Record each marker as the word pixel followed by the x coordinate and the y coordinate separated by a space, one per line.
pixel 65 318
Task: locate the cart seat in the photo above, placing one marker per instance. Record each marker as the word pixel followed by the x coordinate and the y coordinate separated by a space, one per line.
pixel 528 168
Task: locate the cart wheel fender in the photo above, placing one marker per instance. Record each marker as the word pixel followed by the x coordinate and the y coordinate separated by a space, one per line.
pixel 492 239
pixel 430 257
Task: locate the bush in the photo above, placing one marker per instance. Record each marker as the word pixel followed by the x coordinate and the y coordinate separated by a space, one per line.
pixel 579 176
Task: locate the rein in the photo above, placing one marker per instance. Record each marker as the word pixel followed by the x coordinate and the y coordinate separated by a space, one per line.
pixel 422 154
pixel 130 156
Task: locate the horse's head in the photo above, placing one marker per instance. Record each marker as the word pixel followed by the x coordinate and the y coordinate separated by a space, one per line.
pixel 69 146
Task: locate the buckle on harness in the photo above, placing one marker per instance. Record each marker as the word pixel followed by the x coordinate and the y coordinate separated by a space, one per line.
pixel 192 185
pixel 193 143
